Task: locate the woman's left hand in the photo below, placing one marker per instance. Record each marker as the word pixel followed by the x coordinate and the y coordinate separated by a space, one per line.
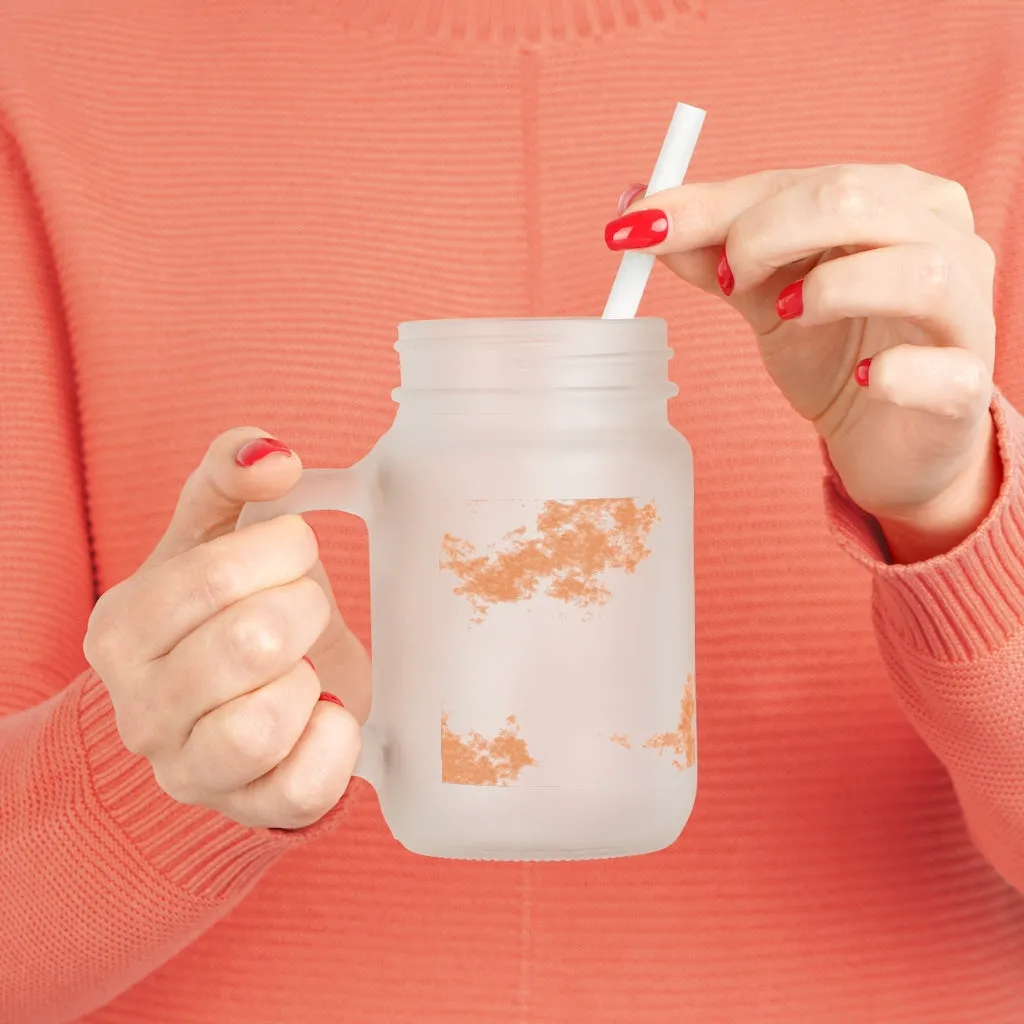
pixel 871 299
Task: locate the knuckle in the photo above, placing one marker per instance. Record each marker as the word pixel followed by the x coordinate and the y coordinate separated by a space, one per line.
pixel 299 535
pixel 824 289
pixel 932 271
pixel 96 645
pixel 254 734
pixel 986 255
pixel 785 180
pixel 972 380
pixel 951 201
pixel 139 732
pixel 952 407
pixel 846 194
pixel 173 780
pixel 700 213
pixel 101 644
pixel 956 194
pixel 289 535
pixel 220 580
pixel 753 241
pixel 960 387
pixel 927 272
pixel 307 798
pixel 252 640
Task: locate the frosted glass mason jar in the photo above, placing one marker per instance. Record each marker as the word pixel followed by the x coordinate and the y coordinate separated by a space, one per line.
pixel 530 518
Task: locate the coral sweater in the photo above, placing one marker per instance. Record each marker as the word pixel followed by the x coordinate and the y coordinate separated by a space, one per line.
pixel 213 213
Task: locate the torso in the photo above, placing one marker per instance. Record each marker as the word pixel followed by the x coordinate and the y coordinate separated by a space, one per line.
pixel 250 215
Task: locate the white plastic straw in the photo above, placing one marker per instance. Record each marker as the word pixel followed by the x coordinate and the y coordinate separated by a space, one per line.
pixel 669 171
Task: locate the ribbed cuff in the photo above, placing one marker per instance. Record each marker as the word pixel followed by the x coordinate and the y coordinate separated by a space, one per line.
pixel 966 603
pixel 209 856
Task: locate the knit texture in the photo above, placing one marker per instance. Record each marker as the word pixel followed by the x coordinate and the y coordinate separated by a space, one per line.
pixel 214 214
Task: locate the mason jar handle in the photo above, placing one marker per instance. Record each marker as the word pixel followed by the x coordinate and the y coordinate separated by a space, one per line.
pixel 331 490
pixel 318 490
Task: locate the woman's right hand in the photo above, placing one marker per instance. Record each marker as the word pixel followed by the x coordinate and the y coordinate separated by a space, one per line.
pixel 202 650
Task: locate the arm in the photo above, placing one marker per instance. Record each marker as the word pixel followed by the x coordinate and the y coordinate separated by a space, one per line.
pixel 951 626
pixel 102 876
pixel 951 631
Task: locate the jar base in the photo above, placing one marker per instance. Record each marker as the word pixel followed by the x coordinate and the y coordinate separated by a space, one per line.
pixel 467 852
pixel 553 824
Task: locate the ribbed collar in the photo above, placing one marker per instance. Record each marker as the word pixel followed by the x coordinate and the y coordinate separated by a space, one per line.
pixel 526 21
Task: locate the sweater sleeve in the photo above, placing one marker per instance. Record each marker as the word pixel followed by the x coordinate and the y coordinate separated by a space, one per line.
pixel 102 876
pixel 951 631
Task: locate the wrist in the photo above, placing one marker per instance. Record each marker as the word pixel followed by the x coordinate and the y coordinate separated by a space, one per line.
pixel 939 525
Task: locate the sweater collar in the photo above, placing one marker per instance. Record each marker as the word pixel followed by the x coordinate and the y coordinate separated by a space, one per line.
pixel 513 21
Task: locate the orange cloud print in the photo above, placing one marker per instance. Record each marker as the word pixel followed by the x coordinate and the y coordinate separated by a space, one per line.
pixel 473 760
pixel 682 741
pixel 572 543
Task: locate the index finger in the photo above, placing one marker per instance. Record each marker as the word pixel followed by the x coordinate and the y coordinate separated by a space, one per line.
pixel 701 214
pixel 161 604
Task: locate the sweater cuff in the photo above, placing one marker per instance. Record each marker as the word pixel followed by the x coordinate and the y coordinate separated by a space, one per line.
pixel 960 605
pixel 209 856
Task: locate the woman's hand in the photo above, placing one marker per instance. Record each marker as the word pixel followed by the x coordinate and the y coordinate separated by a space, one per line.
pixel 203 649
pixel 871 299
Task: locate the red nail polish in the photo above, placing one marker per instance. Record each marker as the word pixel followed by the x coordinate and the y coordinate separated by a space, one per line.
pixel 330 698
pixel 315 534
pixel 860 375
pixel 252 451
pixel 790 303
pixel 309 662
pixel 637 230
pixel 629 195
pixel 724 272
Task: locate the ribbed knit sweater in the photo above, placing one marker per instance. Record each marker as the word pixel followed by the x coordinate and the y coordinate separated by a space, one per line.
pixel 213 213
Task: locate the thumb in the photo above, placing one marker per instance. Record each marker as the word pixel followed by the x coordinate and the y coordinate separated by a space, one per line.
pixel 247 464
pixel 949 383
pixel 242 465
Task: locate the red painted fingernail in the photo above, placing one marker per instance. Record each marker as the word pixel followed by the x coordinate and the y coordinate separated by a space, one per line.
pixel 252 451
pixel 307 660
pixel 330 698
pixel 860 375
pixel 790 303
pixel 637 230
pixel 315 534
pixel 725 279
pixel 629 194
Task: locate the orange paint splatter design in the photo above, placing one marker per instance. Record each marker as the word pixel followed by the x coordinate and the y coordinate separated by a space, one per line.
pixel 575 541
pixel 473 760
pixel 683 740
pixel 621 739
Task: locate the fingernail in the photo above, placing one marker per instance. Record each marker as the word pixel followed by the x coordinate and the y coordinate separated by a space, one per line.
pixel 330 698
pixel 315 534
pixel 309 662
pixel 252 451
pixel 637 230
pixel 860 375
pixel 629 194
pixel 725 279
pixel 790 303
